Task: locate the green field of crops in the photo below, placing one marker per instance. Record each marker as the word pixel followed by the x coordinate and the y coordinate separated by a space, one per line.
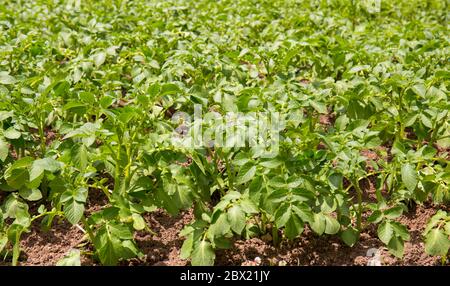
pixel 263 118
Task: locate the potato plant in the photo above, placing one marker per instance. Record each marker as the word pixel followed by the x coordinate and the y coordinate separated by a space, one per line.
pixel 90 93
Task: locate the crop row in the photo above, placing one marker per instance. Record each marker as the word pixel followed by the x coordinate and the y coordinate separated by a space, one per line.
pixel 90 90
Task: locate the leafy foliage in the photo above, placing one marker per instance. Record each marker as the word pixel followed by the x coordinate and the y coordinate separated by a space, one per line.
pixel 437 235
pixel 88 90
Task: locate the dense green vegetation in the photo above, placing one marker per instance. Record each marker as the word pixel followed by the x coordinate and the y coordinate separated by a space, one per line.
pixel 88 90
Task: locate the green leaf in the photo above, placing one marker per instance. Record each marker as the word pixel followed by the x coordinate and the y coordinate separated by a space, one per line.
pixel 87 97
pixel 74 204
pixel 220 227
pixel 6 78
pixel 410 119
pixel 271 164
pixel 319 106
pixel 5 115
pixel 39 166
pixel 4 150
pixel 394 212
pixel 107 252
pixel 293 227
pixel 76 107
pixel 106 101
pixel 440 215
pixel 409 176
pixel 71 259
pixel 447 228
pixel 80 156
pixel 188 229
pixel 222 243
pixel 3 242
pixel 12 133
pixel 99 59
pixel 332 226
pixel 385 232
pixel 236 217
pixel 426 121
pixel 282 215
pixel 128 249
pixel 350 236
pixel 318 224
pixel 30 194
pixel 335 181
pixel 396 246
pixel 198 162
pixel 248 206
pixel 16 178
pixel 120 231
pixel 186 248
pixel 341 122
pixel 246 173
pixel 61 88
pixel 13 207
pixel 303 211
pixel 398 148
pixel 169 88
pixel 138 222
pixel 400 230
pixel 419 89
pixel 437 242
pixel 73 211
pixel 166 201
pixel 113 241
pixel 375 217
pixel 203 254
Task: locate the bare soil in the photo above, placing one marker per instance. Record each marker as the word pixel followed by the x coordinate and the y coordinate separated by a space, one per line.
pixel 40 247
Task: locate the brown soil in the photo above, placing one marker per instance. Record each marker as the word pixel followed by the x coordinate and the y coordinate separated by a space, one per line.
pixel 443 152
pixel 41 247
pixel 96 201
pixel 46 248
pixel 327 120
pixel 164 247
pixel 50 136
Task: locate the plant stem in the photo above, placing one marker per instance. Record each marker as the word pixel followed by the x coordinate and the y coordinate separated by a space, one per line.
pixel 43 214
pixel 400 132
pixel 117 169
pixel 229 172
pixel 355 183
pixel 42 139
pixel 88 229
